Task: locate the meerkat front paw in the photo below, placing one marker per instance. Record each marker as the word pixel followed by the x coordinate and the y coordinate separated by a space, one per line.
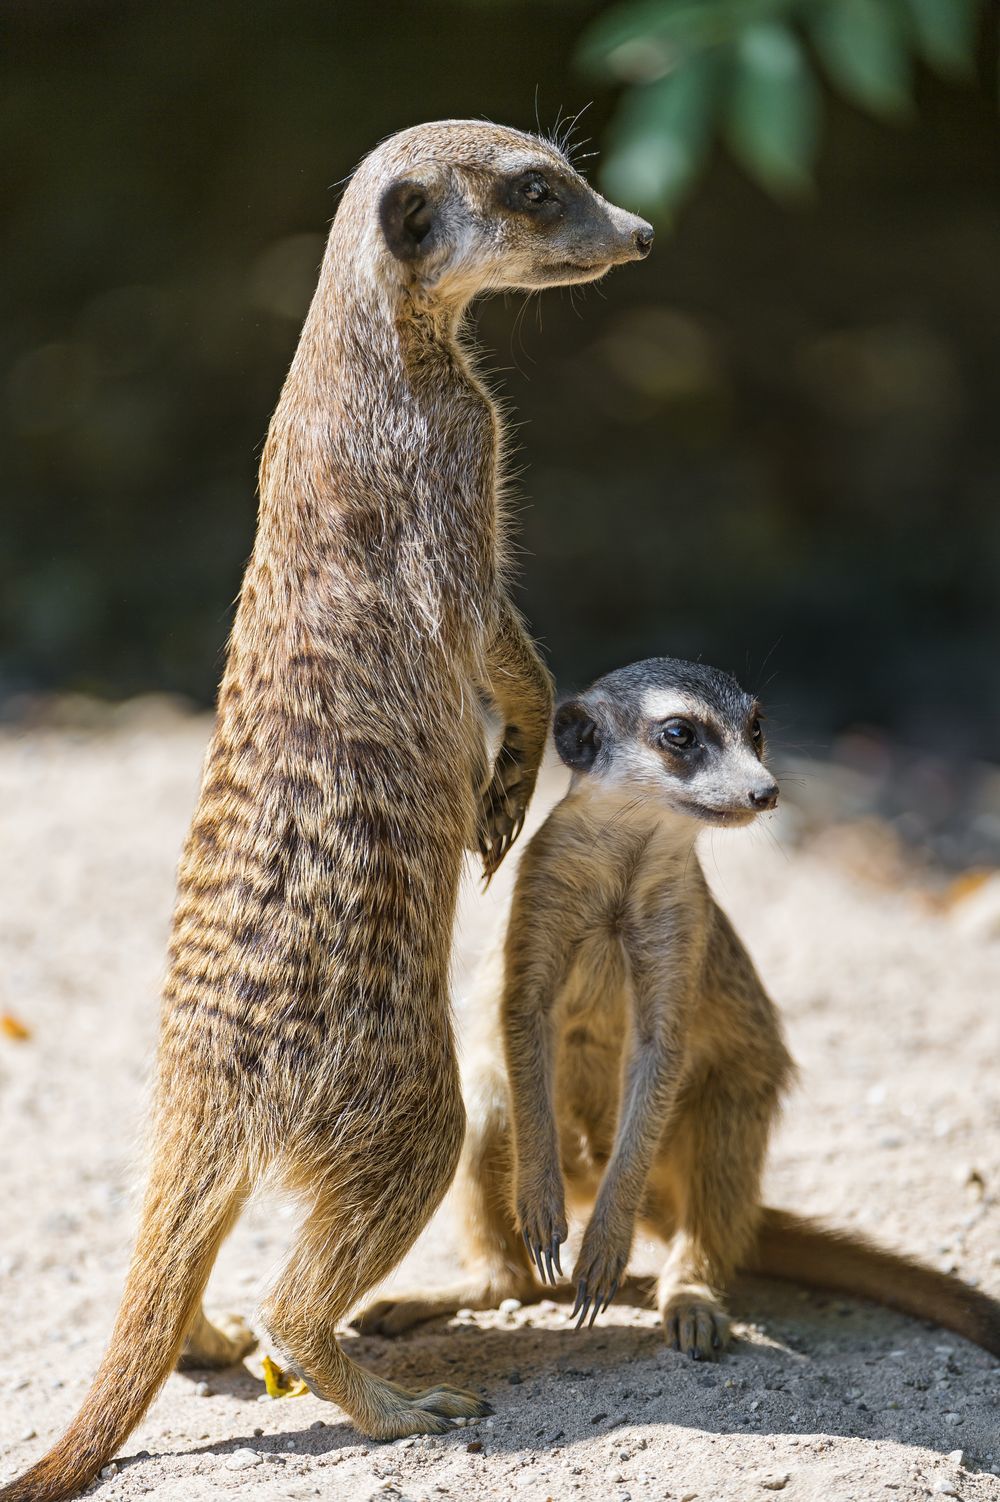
pixel 599 1270
pixel 695 1323
pixel 541 1218
pixel 504 805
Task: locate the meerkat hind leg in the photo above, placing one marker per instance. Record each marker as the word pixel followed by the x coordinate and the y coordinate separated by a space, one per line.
pixel 491 1246
pixel 710 1180
pixel 694 1317
pixel 401 1311
pixel 213 1344
pixel 314 1292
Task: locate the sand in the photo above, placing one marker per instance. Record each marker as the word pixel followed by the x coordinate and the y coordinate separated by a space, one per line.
pixel 892 1013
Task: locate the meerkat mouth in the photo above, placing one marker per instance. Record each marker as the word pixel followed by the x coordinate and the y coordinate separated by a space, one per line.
pixel 574 271
pixel 730 818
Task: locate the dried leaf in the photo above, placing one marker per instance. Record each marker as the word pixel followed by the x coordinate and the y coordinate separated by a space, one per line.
pixel 11 1027
pixel 965 886
pixel 281 1384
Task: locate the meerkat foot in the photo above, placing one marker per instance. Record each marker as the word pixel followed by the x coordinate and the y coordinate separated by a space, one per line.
pixel 695 1324
pixel 397 1412
pixel 398 1312
pixel 223 1342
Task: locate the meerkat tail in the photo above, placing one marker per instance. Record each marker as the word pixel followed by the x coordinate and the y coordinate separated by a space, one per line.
pixel 804 1251
pixel 184 1219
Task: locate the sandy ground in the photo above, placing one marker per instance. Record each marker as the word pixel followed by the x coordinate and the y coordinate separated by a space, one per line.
pixel 892 1013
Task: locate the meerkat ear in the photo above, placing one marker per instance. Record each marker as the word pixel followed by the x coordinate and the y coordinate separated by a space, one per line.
pixel 576 735
pixel 406 215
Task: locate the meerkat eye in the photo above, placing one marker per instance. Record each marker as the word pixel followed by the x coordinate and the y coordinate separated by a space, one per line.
pixel 535 189
pixel 757 732
pixel 676 735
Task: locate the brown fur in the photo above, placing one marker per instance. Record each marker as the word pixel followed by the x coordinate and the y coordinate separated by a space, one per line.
pixel 645 1062
pixel 306 1030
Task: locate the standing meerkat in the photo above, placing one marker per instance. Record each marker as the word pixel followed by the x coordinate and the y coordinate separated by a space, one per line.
pixel 645 1061
pixel 306 1028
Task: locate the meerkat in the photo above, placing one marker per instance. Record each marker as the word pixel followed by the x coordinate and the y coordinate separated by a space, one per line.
pixel 306 1028
pixel 645 1062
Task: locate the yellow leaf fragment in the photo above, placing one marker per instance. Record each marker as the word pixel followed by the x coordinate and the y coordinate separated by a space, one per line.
pixel 13 1028
pixel 966 885
pixel 281 1384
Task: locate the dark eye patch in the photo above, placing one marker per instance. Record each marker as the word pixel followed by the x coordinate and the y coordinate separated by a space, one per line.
pixel 536 193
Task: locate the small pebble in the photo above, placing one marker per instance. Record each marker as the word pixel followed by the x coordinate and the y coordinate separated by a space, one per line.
pixel 944 1488
pixel 29 1434
pixel 202 1390
pixel 242 1460
pixel 108 1471
pixel 955 1457
pixel 953 1418
pixel 774 1483
pixel 475 1448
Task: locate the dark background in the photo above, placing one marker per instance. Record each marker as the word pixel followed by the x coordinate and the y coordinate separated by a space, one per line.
pixel 775 446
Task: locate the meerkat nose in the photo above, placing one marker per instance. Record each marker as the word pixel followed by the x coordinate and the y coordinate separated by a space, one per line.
pixel 764 797
pixel 642 239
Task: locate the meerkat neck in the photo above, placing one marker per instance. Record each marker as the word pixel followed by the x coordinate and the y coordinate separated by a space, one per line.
pixel 627 809
pixel 374 388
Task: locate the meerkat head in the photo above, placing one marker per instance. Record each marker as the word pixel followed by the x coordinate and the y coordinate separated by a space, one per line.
pixel 463 207
pixel 680 733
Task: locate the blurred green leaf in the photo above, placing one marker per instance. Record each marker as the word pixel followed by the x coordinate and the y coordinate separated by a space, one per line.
pixel 660 136
pixel 642 40
pixel 864 49
pixel 946 33
pixel 773 110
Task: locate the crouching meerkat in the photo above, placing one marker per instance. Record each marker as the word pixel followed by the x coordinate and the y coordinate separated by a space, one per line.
pixel 306 1027
pixel 645 1062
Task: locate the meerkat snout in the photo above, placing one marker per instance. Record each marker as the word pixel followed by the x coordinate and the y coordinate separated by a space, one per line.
pixel 680 734
pixel 642 238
